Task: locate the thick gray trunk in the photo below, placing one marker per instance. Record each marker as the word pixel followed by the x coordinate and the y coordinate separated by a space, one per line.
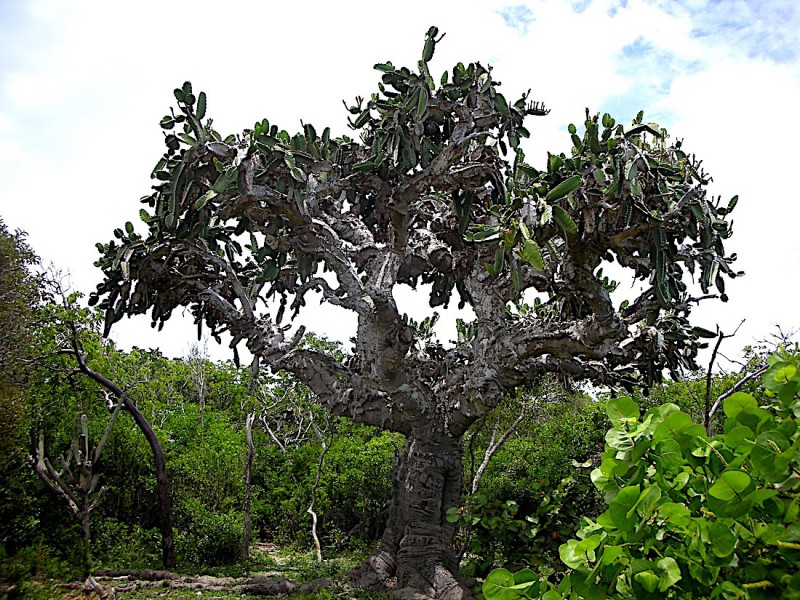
pixel 415 557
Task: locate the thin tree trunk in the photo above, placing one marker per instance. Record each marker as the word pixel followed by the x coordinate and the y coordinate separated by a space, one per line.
pixel 160 464
pixel 492 449
pixel 86 527
pixel 310 510
pixel 251 452
pixel 159 461
pixel 707 409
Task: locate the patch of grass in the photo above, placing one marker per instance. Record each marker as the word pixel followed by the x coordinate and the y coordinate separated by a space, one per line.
pixel 30 590
pixel 340 593
pixel 32 572
pixel 301 566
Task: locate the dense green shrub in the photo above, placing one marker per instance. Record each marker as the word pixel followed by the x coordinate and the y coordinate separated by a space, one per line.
pixel 500 534
pixel 690 516
pixel 210 538
pixel 126 546
pixel 535 490
pixel 354 488
pixel 352 492
pixel 29 566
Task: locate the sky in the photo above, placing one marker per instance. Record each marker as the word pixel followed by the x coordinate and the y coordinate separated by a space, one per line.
pixel 83 86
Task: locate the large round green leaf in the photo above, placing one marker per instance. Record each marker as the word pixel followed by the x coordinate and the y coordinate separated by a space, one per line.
pixel 730 486
pixel 722 539
pixel 621 411
pixel 741 439
pixel 669 573
pixel 778 375
pixel 678 426
pixel 570 556
pixel 619 439
pixel 755 418
pixel 648 500
pixel 672 426
pixel 578 553
pixel 675 513
pixel 788 394
pixel 735 403
pixel 648 580
pixel 612 553
pixel 668 456
pixel 623 508
pixel 501 584
pixel 498 585
pixel 772 455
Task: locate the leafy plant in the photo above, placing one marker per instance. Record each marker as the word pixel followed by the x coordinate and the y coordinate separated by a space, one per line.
pixel 501 533
pixel 211 537
pixel 494 527
pixel 535 488
pixel 692 516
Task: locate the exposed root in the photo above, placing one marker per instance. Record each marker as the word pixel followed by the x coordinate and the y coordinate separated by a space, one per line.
pixel 437 584
pixel 375 573
pixel 89 589
pixel 257 585
pixel 426 581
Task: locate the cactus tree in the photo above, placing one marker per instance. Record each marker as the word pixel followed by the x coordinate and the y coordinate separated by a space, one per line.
pixel 77 480
pixel 434 190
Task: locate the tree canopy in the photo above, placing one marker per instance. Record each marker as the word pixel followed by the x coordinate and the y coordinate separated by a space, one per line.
pixel 435 189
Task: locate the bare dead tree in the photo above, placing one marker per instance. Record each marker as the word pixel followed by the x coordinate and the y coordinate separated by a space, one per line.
pixel 779 339
pixel 329 430
pixel 707 412
pixel 196 361
pixel 76 482
pixel 495 443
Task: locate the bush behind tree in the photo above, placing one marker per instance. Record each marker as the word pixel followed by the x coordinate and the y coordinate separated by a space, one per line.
pixel 535 489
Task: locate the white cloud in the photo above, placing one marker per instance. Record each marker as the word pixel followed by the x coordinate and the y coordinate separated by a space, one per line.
pixel 734 114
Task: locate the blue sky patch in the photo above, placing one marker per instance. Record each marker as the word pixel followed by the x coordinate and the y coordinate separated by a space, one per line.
pixel 579 6
pixel 517 17
pixel 755 28
pixel 616 5
pixel 651 71
pixel 14 23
